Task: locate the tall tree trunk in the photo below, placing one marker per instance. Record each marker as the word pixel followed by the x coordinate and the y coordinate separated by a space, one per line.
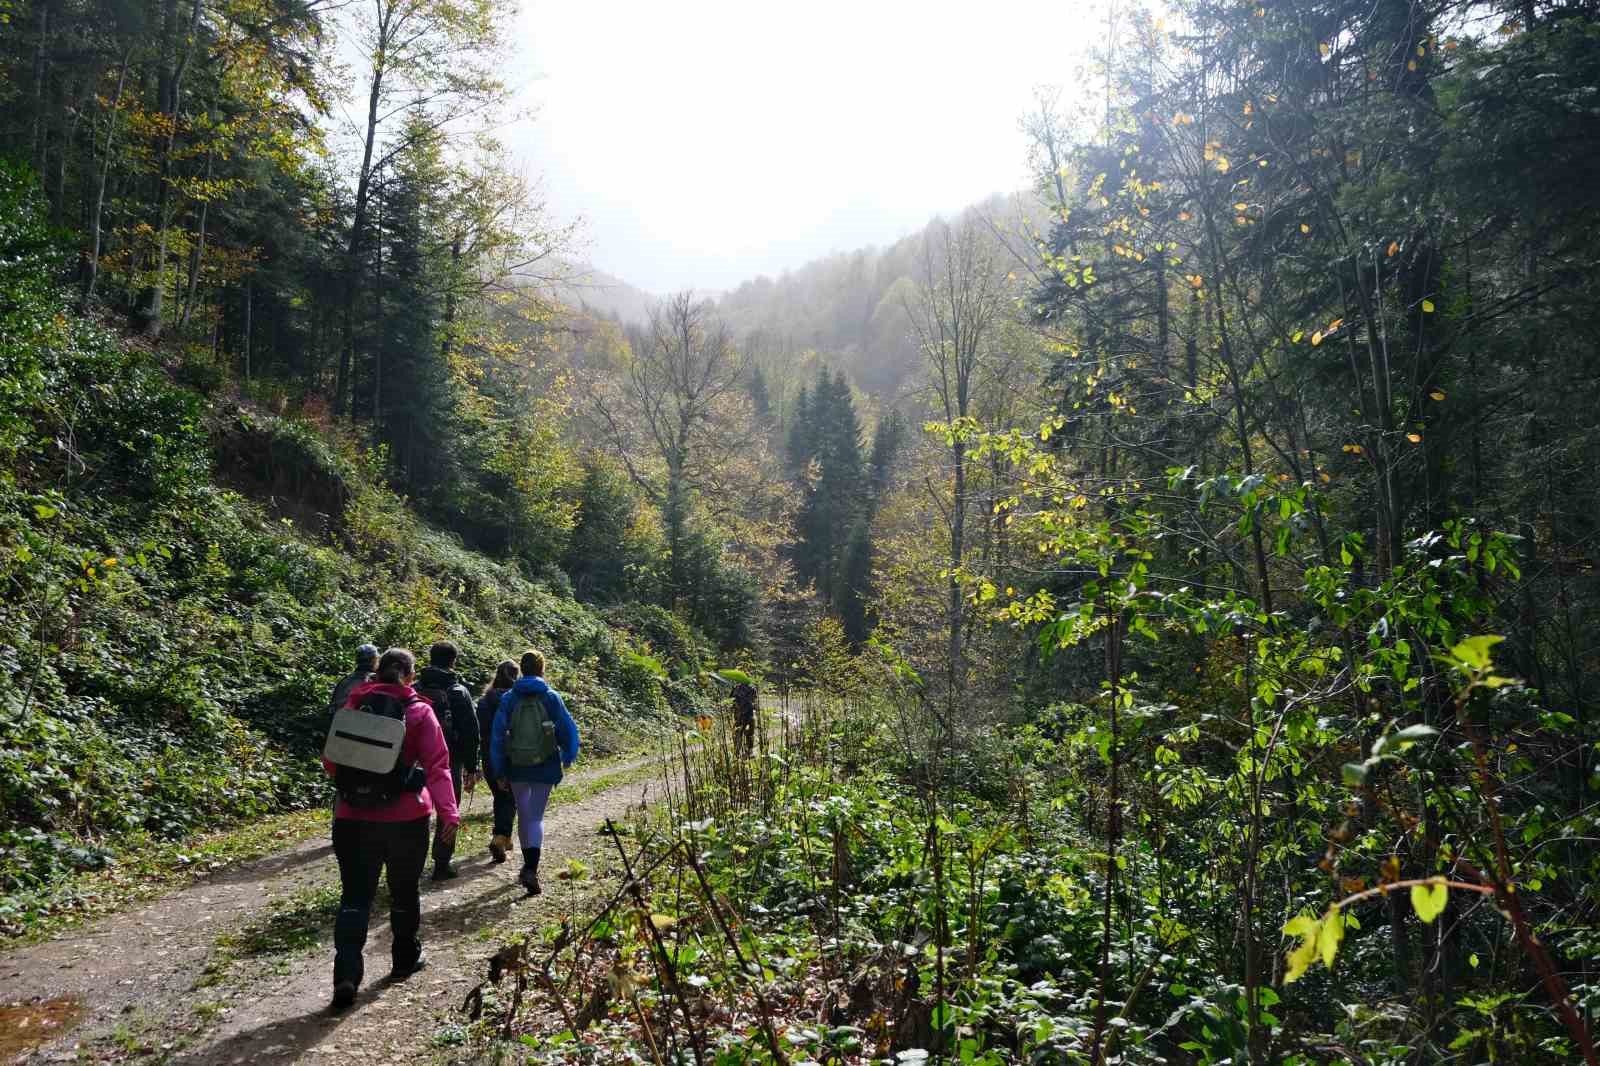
pixel 344 389
pixel 196 258
pixel 450 301
pixel 958 516
pixel 40 65
pixel 249 325
pixel 173 69
pixel 93 267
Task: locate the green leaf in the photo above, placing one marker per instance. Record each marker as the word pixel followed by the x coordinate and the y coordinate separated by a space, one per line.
pixel 1355 774
pixel 1415 732
pixel 1429 900
pixel 1474 651
pixel 45 511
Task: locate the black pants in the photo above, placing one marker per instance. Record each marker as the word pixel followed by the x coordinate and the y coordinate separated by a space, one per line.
pixel 505 808
pixel 441 850
pixel 364 850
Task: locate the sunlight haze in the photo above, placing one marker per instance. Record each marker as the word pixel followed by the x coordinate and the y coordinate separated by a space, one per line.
pixel 705 143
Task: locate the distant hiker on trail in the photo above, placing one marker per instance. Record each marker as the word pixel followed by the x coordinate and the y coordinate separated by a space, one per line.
pixel 505 805
pixel 366 663
pixel 744 717
pixel 452 703
pixel 534 738
pixel 382 818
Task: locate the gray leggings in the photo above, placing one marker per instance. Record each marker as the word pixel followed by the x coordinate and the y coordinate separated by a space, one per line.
pixel 531 797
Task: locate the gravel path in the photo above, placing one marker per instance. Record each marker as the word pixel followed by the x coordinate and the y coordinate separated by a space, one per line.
pixel 161 984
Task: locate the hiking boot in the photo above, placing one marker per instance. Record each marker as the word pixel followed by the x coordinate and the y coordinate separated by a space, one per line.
pixel 529 878
pixel 445 872
pixel 401 972
pixel 344 994
pixel 498 846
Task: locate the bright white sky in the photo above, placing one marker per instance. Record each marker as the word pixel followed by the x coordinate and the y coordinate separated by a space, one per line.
pixel 705 142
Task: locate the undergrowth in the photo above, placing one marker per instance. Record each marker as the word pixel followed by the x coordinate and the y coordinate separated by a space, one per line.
pixel 847 895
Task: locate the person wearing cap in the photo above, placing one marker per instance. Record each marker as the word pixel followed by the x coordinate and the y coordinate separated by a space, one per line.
pixel 366 663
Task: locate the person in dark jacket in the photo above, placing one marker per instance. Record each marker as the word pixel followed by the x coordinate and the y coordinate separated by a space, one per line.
pixel 392 836
pixel 744 717
pixel 366 663
pixel 505 806
pixel 531 785
pixel 452 703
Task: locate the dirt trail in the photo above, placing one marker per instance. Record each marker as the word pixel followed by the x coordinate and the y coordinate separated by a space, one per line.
pixel 156 985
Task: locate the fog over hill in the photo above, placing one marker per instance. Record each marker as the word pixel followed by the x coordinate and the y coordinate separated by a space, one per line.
pixel 846 309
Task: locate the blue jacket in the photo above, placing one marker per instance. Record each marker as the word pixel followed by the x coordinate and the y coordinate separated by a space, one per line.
pixel 548 772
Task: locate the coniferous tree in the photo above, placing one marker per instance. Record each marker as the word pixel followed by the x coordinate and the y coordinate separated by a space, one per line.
pixel 760 399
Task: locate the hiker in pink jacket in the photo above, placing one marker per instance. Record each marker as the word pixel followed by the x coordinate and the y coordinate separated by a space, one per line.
pixel 389 829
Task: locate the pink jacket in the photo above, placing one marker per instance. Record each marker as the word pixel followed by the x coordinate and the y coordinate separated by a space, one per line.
pixel 424 744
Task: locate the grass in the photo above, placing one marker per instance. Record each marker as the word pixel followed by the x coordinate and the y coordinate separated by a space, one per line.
pixel 144 867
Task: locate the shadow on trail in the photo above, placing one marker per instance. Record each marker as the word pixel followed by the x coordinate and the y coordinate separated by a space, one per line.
pixel 287 1040
pixel 468 916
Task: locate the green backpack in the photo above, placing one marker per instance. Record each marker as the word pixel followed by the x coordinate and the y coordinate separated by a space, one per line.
pixel 532 740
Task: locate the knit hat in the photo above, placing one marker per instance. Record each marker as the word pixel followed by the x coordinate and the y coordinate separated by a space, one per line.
pixel 366 656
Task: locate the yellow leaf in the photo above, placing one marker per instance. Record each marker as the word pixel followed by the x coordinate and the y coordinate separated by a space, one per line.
pixel 663 922
pixel 1241 206
pixel 1436 394
pixel 108 562
pixel 1421 51
pixel 1196 280
pixel 1316 338
pixel 1330 936
pixel 1304 228
pixel 1222 164
pixel 1429 900
pixel 1323 48
pixel 1427 307
pixel 1335 324
pixel 1248 107
pixel 1184 216
pixel 1305 927
pixel 1394 247
pixel 1411 65
pixel 1414 438
pixel 1297 335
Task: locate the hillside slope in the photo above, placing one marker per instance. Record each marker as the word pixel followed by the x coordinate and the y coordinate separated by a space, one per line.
pixel 186 578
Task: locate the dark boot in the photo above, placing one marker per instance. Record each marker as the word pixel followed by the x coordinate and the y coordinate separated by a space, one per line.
pixel 529 877
pixel 406 948
pixel 349 938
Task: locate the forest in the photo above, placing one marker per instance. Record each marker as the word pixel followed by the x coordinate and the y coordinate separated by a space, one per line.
pixel 1172 585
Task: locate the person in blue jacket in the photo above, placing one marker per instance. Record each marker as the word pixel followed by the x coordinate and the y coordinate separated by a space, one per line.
pixel 531 785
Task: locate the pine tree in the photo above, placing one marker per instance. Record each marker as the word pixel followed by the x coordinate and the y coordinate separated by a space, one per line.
pixel 760 399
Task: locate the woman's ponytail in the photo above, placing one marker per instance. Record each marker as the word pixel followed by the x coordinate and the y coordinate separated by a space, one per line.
pixel 396 665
